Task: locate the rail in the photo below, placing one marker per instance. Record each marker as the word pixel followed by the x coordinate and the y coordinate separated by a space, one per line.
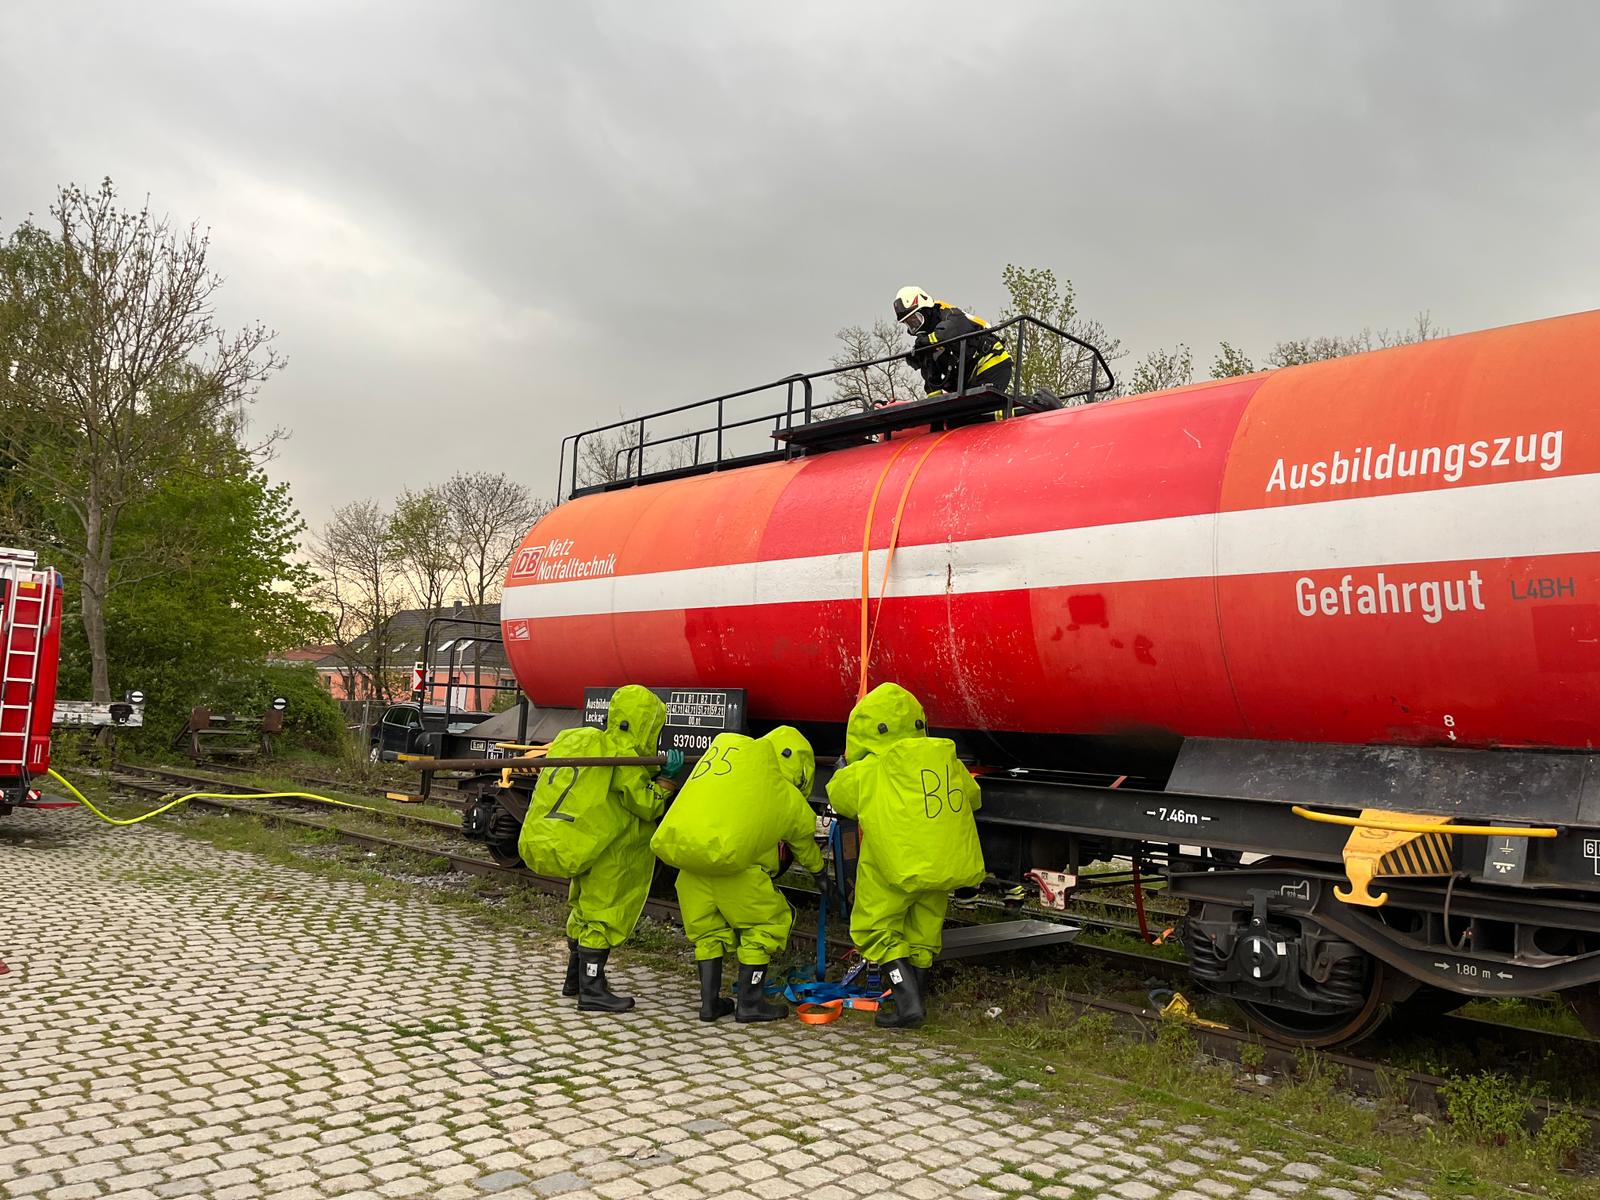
pixel 702 435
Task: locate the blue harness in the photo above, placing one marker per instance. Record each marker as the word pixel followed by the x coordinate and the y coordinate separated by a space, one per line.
pixel 818 992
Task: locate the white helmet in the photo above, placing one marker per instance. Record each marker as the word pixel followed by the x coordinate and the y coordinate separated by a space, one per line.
pixel 911 308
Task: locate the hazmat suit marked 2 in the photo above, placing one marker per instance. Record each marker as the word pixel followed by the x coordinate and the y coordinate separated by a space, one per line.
pixel 592 825
pixel 745 796
pixel 915 801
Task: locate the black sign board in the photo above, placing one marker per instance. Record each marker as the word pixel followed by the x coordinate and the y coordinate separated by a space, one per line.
pixel 694 715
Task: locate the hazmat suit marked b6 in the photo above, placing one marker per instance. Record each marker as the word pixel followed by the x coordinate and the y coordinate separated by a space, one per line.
pixel 592 825
pixel 744 797
pixel 914 800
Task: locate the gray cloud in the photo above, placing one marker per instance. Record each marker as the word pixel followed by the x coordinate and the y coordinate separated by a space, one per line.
pixel 481 226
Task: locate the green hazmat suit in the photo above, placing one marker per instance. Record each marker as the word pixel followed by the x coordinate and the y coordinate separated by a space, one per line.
pixel 722 832
pixel 592 825
pixel 915 801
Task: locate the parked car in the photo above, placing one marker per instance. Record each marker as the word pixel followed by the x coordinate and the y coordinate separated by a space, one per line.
pixel 409 729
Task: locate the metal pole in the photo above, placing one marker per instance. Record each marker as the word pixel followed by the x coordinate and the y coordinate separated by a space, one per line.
pixel 536 762
pixel 1016 375
pixel 719 431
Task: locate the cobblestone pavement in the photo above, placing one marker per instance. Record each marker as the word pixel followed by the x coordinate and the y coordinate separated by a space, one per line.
pixel 181 1020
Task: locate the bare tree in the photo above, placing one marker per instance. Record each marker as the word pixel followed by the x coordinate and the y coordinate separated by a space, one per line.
pixel 1317 349
pixel 111 359
pixel 489 514
pixel 619 453
pixel 351 554
pixel 878 385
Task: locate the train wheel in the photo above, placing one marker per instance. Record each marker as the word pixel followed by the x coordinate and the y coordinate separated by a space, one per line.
pixel 504 856
pixel 1319 1030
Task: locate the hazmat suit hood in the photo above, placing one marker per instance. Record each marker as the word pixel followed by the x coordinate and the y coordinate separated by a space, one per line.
pixel 796 760
pixel 635 719
pixel 887 714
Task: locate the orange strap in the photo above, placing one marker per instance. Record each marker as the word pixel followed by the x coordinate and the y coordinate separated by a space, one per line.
pixel 866 550
pixel 830 1011
pixel 894 541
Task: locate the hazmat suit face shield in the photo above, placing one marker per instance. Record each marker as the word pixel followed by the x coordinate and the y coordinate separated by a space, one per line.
pixel 796 760
pixel 887 714
pixel 636 718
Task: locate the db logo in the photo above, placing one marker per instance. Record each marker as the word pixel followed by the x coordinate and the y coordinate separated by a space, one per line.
pixel 527 560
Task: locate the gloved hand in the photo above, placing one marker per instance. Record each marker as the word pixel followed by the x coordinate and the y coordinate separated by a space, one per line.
pixel 674 766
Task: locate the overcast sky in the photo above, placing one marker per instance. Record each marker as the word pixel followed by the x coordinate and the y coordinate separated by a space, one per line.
pixel 480 226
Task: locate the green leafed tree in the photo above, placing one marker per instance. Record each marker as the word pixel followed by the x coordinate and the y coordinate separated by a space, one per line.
pixel 229 595
pixel 1231 362
pixel 112 363
pixel 422 545
pixel 1044 361
pixel 1162 369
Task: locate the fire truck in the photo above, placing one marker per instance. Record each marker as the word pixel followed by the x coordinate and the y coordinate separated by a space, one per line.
pixel 30 651
pixel 30 654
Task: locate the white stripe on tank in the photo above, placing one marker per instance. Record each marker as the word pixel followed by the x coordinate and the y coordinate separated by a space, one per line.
pixel 1523 519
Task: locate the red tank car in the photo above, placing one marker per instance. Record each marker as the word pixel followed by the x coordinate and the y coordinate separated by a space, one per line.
pixel 30 648
pixel 1396 547
pixel 1343 616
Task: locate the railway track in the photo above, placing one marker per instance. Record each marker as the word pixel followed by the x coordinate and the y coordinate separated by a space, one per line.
pixel 290 812
pixel 443 842
pixel 445 792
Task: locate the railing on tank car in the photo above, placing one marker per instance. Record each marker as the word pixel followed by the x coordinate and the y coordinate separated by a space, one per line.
pixel 710 444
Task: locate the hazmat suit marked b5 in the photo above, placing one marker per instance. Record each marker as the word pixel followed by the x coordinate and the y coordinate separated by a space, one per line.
pixel 592 826
pixel 914 800
pixel 745 796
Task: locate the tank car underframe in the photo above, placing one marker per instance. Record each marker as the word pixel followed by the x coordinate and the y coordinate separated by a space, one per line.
pixel 1273 936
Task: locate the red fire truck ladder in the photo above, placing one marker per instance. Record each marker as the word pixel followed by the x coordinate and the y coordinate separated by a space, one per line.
pixel 24 611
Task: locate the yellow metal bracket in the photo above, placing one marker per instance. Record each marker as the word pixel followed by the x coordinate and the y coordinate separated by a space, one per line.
pixel 522 751
pixel 1401 844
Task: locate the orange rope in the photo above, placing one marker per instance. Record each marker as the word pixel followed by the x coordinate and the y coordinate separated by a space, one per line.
pixel 894 541
pixel 866 573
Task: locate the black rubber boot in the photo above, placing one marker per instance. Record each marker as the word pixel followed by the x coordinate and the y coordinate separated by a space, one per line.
pixel 713 1004
pixel 753 1004
pixel 922 982
pixel 570 986
pixel 907 994
pixel 594 994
